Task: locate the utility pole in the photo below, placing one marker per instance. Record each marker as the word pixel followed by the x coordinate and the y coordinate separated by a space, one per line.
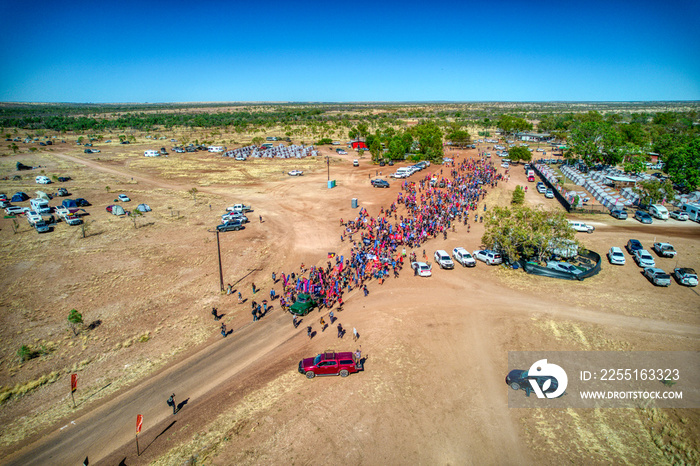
pixel 328 162
pixel 221 272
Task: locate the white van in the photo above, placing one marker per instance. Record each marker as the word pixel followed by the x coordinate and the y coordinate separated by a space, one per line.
pixel 659 211
pixel 43 179
pixel 151 153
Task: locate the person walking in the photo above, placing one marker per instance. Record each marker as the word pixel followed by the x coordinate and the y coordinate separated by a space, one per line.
pixel 308 332
pixel 341 331
pixel 295 321
pixel 254 290
pixel 323 324
pixel 223 330
pixel 261 219
pixel 254 312
pixel 272 294
pixel 274 277
pixel 229 289
pixel 365 290
pixel 171 402
pixel 215 313
pixel 355 335
pixel 331 317
pixel 240 298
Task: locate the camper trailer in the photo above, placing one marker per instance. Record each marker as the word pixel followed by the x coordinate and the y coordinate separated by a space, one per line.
pixel 217 148
pixel 693 211
pixel 658 211
pixel 151 153
pixel 40 206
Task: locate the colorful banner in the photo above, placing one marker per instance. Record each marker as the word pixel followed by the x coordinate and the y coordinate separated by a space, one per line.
pixel 73 382
pixel 139 423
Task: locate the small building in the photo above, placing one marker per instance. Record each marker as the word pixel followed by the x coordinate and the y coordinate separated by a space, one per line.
pixel 535 137
pixel 357 145
pixel 619 182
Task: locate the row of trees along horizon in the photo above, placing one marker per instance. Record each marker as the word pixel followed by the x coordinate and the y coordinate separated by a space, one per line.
pixel 614 138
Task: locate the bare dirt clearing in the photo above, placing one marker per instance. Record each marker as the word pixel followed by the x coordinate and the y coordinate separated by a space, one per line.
pixel 432 391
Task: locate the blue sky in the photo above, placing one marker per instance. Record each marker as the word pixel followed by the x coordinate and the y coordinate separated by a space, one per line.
pixel 151 51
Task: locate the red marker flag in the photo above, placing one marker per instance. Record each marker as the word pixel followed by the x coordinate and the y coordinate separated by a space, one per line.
pixel 139 423
pixel 73 382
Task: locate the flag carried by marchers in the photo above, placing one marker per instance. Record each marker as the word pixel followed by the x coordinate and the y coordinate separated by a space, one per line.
pixel 331 255
pixel 139 423
pixel 73 382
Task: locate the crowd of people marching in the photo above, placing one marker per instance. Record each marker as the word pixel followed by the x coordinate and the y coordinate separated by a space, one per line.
pixel 423 209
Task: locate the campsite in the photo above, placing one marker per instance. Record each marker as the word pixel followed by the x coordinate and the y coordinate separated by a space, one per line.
pixel 145 286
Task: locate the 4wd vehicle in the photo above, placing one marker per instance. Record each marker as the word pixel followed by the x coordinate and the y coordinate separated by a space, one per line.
pixel 355 163
pixel 580 226
pixel 520 380
pixel 541 188
pixel 233 225
pixel 679 215
pixel 296 173
pixel 62 192
pixel 643 258
pixel 564 267
pixel 423 269
pixel 80 202
pixel 657 276
pixel 615 256
pixel 443 259
pixel 490 257
pixel 686 276
pixel 303 305
pixel 234 216
pixel 664 250
pixel 642 217
pixel 42 227
pixel 633 245
pixel 124 198
pixel 619 214
pixel 462 256
pixel 63 179
pixel 380 183
pixel 330 363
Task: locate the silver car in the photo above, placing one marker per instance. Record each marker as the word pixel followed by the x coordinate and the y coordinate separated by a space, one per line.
pixel 643 258
pixel 657 276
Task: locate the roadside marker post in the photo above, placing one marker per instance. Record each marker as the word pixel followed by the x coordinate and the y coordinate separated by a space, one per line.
pixel 139 424
pixel 73 387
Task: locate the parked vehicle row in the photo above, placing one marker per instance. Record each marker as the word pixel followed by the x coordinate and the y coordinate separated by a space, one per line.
pixel 683 275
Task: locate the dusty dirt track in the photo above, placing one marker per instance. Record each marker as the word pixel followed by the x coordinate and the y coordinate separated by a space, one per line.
pixel 432 391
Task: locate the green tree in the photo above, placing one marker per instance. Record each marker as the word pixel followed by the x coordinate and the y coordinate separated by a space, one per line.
pixel 75 320
pixel 430 141
pixel 597 142
pixel 135 213
pixel 459 137
pixel 257 140
pixel 683 164
pixel 375 149
pixel 654 191
pixel 518 196
pixel 519 153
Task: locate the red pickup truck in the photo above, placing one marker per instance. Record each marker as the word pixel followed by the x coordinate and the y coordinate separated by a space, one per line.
pixel 330 363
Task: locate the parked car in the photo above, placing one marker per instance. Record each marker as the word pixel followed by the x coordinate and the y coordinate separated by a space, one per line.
pixel 443 259
pixel 62 192
pixel 657 276
pixel 580 226
pixel 296 173
pixel 488 256
pixel 620 214
pixel 564 267
pixel 123 198
pixel 520 380
pixel 643 258
pixel 42 179
pixel 80 202
pixel 462 256
pixel 424 270
pixel 42 227
pixel 643 217
pixel 615 256
pixel 303 305
pixel 14 210
pixel 63 179
pixel 237 216
pixel 686 276
pixel 355 163
pixel 380 183
pixel 679 215
pixel 664 250
pixel 233 225
pixel 549 194
pixel 632 245
pixel 541 188
pixel 330 363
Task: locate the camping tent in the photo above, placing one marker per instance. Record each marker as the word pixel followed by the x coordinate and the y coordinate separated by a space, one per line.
pixel 69 204
pixel 21 166
pixel 143 208
pixel 118 210
pixel 42 195
pixel 19 197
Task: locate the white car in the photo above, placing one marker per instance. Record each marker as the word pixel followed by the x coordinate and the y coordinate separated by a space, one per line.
pixel 541 188
pixel 679 215
pixel 123 198
pixel 489 257
pixel 234 216
pixel 443 259
pixel 580 226
pixel 296 173
pixel 643 258
pixel 14 210
pixel 462 256
pixel 549 194
pixel 686 276
pixel 505 165
pixel 43 180
pixel 424 270
pixel 615 256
